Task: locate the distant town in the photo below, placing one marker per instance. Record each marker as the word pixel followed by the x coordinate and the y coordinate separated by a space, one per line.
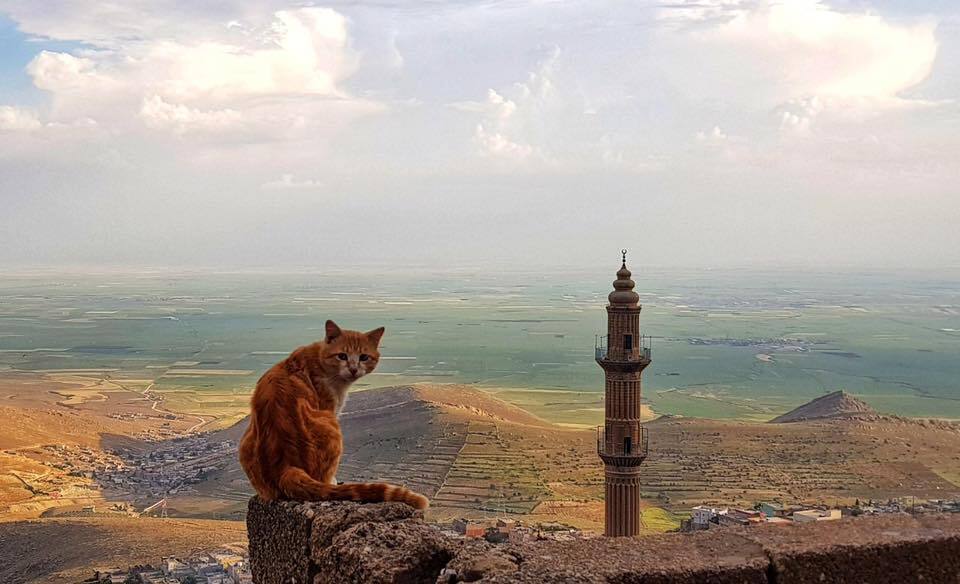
pixel 148 476
pixel 505 530
pixel 212 567
pixel 170 468
pixel 708 517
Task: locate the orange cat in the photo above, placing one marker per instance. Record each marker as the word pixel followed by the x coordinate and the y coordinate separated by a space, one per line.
pixel 292 448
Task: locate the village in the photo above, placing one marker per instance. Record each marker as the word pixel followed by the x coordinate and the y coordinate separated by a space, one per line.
pixel 702 517
pixel 506 530
pixel 153 474
pixel 140 478
pixel 169 469
pixel 708 517
pixel 224 566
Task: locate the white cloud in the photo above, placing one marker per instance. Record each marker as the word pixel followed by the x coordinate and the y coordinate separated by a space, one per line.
pixel 822 51
pixel 788 54
pixel 277 79
pixel 729 114
pixel 288 182
pixel 495 106
pixel 686 13
pixel 490 135
pixel 159 114
pixel 304 51
pixel 493 143
pixel 513 118
pixel 714 135
pixel 17 119
pixel 63 72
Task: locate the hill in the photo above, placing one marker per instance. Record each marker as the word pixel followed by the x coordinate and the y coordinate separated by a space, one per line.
pixel 475 455
pixel 837 459
pixel 459 445
pixel 49 425
pixel 449 399
pixel 832 405
pixel 34 551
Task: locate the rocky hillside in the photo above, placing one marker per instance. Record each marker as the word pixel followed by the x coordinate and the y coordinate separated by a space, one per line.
pixel 471 453
pixel 382 403
pixel 68 550
pixel 832 405
pixel 461 446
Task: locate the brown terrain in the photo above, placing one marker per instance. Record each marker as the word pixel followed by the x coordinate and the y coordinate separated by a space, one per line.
pixel 476 456
pixel 35 551
pixel 47 421
pixel 465 449
pixel 835 459
pixel 833 405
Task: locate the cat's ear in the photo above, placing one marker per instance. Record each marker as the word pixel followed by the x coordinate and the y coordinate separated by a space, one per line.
pixel 375 335
pixel 333 331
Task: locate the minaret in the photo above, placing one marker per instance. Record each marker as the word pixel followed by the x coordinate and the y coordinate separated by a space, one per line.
pixel 622 441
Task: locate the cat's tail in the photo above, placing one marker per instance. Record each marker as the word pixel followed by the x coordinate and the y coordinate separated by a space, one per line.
pixel 295 483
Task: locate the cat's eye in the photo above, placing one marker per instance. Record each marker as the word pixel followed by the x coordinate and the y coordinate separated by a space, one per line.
pixel 342 356
pixel 364 357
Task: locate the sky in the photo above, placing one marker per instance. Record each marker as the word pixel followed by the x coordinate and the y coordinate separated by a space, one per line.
pixel 703 133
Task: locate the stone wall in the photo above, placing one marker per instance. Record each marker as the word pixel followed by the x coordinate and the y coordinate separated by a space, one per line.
pixel 343 543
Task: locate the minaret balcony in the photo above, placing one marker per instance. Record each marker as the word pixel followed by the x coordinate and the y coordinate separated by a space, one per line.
pixel 640 353
pixel 623 452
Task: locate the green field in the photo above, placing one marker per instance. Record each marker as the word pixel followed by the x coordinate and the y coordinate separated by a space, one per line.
pixel 727 344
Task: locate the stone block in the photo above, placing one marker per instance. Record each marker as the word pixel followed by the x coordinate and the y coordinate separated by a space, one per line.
pixel 890 549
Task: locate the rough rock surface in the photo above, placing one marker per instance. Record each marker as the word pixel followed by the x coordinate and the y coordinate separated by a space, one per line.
pixel 279 541
pixel 339 517
pixel 478 559
pixel 388 543
pixel 893 548
pixel 407 552
pixel 697 557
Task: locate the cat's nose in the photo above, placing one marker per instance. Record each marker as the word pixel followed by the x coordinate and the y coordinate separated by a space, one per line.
pixel 353 371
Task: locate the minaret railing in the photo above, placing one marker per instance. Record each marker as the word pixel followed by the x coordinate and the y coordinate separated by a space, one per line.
pixel 618 451
pixel 602 347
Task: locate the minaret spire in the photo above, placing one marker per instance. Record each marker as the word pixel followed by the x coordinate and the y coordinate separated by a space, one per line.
pixel 622 441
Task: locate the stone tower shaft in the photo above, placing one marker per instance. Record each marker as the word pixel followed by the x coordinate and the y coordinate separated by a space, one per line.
pixel 622 441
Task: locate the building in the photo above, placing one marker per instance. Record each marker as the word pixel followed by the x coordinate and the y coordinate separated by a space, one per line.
pixel 701 515
pixel 468 528
pixel 622 441
pixel 174 568
pixel 772 509
pixel 240 572
pixel 475 530
pixel 816 515
pixel 740 517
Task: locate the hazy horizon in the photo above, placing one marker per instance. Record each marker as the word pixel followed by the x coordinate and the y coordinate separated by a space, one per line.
pixel 602 268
